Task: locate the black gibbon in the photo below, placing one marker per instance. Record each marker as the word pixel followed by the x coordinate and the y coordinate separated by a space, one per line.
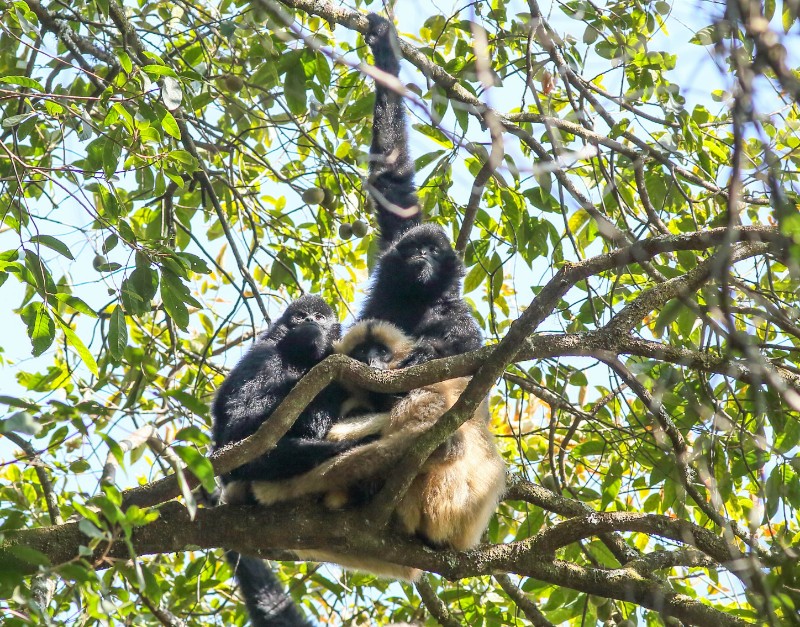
pixel 298 340
pixel 417 283
pixel 450 502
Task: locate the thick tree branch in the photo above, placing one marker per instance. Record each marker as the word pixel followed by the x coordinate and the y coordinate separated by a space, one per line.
pixel 295 526
pixel 579 528
pixel 681 286
pixel 546 499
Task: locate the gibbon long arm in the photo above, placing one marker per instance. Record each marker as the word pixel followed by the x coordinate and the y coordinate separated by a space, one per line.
pixel 391 170
pixel 417 283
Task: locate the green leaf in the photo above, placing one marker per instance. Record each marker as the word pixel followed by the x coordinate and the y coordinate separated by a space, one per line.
pixel 138 290
pixel 41 329
pixel 159 70
pixel 125 62
pixel 117 334
pixel 88 528
pixel 281 272
pixel 294 87
pixel 788 439
pixel 79 346
pixel 16 120
pixel 20 422
pixel 112 150
pixel 172 292
pixel 199 465
pixel 474 278
pixel 669 313
pixel 181 156
pixel 76 303
pixel 190 401
pixel 193 433
pixel 22 81
pixel 79 466
pixel 706 36
pixel 322 71
pixel 788 16
pixel 54 244
pixel 195 263
pixel 423 160
pixel 13 401
pixel 110 243
pixel 53 108
pixel 170 125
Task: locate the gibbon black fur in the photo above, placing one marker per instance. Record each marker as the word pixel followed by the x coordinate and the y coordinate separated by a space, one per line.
pixel 298 340
pixel 450 502
pixel 268 605
pixel 417 283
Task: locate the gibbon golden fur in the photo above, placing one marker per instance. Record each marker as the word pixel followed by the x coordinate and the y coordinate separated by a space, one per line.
pixel 449 503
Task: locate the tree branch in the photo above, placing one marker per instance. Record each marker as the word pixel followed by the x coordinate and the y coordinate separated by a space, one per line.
pixel 435 605
pixel 528 607
pixel 298 525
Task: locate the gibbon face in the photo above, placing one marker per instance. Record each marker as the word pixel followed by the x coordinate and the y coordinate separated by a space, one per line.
pixel 422 259
pixel 376 343
pixel 307 330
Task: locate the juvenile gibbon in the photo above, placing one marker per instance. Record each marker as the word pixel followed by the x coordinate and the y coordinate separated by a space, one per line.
pixel 449 503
